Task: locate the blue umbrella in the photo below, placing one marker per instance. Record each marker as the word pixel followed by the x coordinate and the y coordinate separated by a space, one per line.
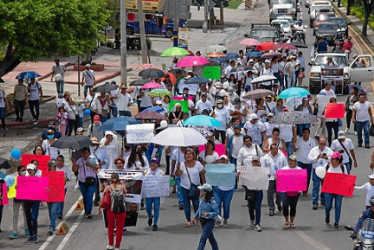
pixel 118 123
pixel 216 60
pixel 196 80
pixel 231 56
pixel 253 54
pixel 293 92
pixel 202 121
pixel 157 109
pixel 28 74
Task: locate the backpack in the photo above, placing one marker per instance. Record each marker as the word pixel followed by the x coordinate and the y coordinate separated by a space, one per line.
pixel 117 200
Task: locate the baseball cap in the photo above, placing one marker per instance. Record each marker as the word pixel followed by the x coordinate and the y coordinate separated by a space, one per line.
pixel 154 160
pixel 255 158
pixel 31 166
pixel 268 96
pixel 94 141
pixel 80 129
pixel 52 163
pixel 237 126
pixel 223 157
pixel 205 187
pixel 253 117
pixel 270 114
pixel 88 65
pixel 178 105
pixel 96 118
pixel 251 61
pixel 219 101
pixel 336 155
pixel 267 61
pixel 158 102
pixel 341 134
pixel 292 157
pixel 371 176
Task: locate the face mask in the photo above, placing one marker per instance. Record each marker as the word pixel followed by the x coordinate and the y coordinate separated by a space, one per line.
pixel 93 147
pixel 220 106
pixel 97 123
pixel 23 173
pixel 50 137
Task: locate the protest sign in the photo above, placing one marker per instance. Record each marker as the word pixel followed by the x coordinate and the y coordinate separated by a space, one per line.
pixel 140 133
pixel 290 180
pixel 212 72
pixel 32 188
pixel 335 110
pixel 180 98
pixel 123 174
pixel 56 186
pixel 219 148
pixel 184 105
pixel 255 178
pixel 192 88
pixel 342 184
pixel 3 194
pixel 322 101
pixel 42 159
pixel 155 186
pixel 220 174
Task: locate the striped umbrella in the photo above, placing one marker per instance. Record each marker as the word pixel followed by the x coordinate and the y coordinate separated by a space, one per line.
pixel 257 93
pixel 149 115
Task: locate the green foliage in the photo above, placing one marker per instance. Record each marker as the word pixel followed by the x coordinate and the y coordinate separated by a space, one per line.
pixel 42 28
pixel 359 11
pixel 114 7
pixel 234 4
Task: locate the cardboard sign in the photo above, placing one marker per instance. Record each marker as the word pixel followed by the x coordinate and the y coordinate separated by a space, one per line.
pixel 342 184
pixel 219 148
pixel 56 186
pixel 180 98
pixel 32 188
pixel 42 159
pixel 192 88
pixel 335 110
pixel 140 133
pixel 255 178
pixel 212 72
pixel 289 180
pixel 184 105
pixel 155 186
pixel 220 174
pixel 3 193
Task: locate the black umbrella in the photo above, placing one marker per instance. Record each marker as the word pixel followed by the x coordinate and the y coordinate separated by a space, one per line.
pixel 140 82
pixel 299 44
pixel 240 68
pixel 105 88
pixel 73 142
pixel 152 73
pixel 176 71
pixel 196 80
pixel 4 163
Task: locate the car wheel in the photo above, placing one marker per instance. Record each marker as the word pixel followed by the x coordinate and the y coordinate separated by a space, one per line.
pixel 169 33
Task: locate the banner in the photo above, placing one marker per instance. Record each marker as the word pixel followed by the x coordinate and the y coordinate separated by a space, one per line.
pixel 3 194
pixel 342 184
pixel 220 174
pixel 184 105
pixel 335 110
pixel 155 186
pixel 212 72
pixel 123 174
pixel 32 188
pixel 322 101
pixel 56 186
pixel 289 180
pixel 140 133
pixel 183 37
pixel 219 148
pixel 255 178
pixel 42 159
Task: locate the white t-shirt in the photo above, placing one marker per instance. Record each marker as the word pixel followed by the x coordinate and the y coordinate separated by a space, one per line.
pixel 286 132
pixel 89 76
pixel 137 164
pixel 223 116
pixel 255 131
pixel 51 151
pixel 245 155
pixel 266 72
pixel 237 144
pixel 2 98
pixel 34 91
pixel 194 175
pixel 337 170
pixel 362 113
pixel 146 100
pixel 123 101
pixel 336 146
pixel 67 173
pixel 274 163
pixel 269 128
pixel 304 148
pixel 327 92
pixel 313 154
pixel 200 106
pixel 369 192
pixel 214 155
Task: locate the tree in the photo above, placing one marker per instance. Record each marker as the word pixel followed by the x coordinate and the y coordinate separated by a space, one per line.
pixel 33 29
pixel 368 7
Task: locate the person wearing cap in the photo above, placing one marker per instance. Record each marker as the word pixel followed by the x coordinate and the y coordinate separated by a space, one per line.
pixel 206 214
pixel 88 79
pixel 335 166
pixel 20 98
pixel 238 111
pixel 266 71
pixel 249 150
pixel 67 172
pixel 223 116
pixel 51 126
pixel 47 145
pixel 35 98
pixel 304 107
pixel 110 144
pixel 124 101
pixel 274 138
pixel 289 71
pixel 362 114
pixel 369 188
pixel 255 129
pixel 93 128
pixel 203 104
pixel 367 214
pixel 290 199
pixel 345 147
pixel 269 126
pixel 58 72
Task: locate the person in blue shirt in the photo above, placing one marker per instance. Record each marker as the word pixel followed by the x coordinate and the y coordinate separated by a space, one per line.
pixel 322 45
pixel 367 214
pixel 207 212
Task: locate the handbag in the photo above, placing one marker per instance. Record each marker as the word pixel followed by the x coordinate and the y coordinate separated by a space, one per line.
pixel 301 75
pixel 105 202
pixel 194 191
pixel 340 123
pixel 88 181
pixel 372 130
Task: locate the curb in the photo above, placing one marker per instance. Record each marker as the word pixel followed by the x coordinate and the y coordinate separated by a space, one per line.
pixel 19 124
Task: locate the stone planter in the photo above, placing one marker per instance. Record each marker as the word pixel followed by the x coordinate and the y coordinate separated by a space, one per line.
pixel 94 67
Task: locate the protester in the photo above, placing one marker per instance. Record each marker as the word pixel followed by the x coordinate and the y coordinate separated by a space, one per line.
pixel 281 144
pixel 208 151
pixel 72 109
pixel 67 173
pixel 124 101
pixel 110 144
pixel 88 79
pixel 177 157
pixel 331 124
pixel 305 108
pixel 53 207
pixel 234 144
pixel 223 116
pixel 345 147
pixel 255 129
pixel 361 114
pixel 35 98
pixel 248 151
pixel 136 160
pixel 47 145
pixel 352 98
pixel 369 188
pixel 20 98
pixel 102 106
pixel 58 72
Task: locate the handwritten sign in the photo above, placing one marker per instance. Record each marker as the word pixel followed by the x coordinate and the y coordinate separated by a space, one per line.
pixel 3 193
pixel 140 133
pixel 192 88
pixel 220 174
pixel 56 186
pixel 184 105
pixel 32 188
pixel 342 184
pixel 155 186
pixel 180 98
pixel 219 148
pixel 335 110
pixel 255 178
pixel 123 174
pixel 212 72
pixel 289 180
pixel 42 159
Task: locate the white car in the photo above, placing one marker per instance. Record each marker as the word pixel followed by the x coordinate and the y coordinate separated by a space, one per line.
pixel 317 7
pixel 284 25
pixel 288 18
pixel 283 7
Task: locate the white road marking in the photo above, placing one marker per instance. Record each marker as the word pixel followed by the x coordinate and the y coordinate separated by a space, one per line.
pixel 71 231
pixel 311 241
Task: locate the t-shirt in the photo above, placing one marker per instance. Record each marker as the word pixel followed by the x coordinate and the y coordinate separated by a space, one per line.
pixel 222 115
pixel 200 106
pixel 237 144
pixel 327 92
pixel 337 170
pixel 303 149
pixel 362 113
pixel 34 91
pixel 194 173
pixel 255 131
pixel 89 76
pixel 2 98
pixel 286 132
pixel 59 70
pixel 214 155
pixel 322 46
pixel 67 173
pixel 268 72
pixel 369 192
pixel 21 91
pixel 336 146
pixel 123 101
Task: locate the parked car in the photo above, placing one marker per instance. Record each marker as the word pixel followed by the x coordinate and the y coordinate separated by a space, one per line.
pixel 342 24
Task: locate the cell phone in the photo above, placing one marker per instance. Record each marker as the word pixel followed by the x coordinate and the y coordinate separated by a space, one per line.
pixel 324 154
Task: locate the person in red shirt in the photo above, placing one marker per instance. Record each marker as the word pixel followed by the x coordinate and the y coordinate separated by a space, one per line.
pixel 347 46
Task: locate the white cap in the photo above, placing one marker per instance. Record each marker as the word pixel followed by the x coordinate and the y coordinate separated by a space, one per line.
pixel 341 134
pixel 371 176
pixel 251 60
pixel 226 85
pixel 31 166
pixel 223 157
pixel 253 117
pixel 88 65
pixel 109 133
pixel 267 61
pixel 158 102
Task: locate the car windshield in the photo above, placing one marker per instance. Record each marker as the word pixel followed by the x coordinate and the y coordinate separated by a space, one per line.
pixel 282 1
pixel 338 60
pixel 263 34
pixel 320 7
pixel 327 26
pixel 284 24
pixel 322 17
pixel 338 21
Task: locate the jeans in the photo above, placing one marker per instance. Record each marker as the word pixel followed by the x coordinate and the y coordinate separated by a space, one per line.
pixel 87 193
pixel 179 189
pixel 156 202
pixel 289 204
pixel 113 110
pixel 16 206
pixel 187 205
pixel 300 128
pixel 289 148
pixel 117 221
pixel 124 113
pixel 2 116
pixel 338 205
pixel 85 89
pixel 19 107
pixel 60 87
pixel 316 185
pixel 277 75
pixel 32 212
pixel 159 152
pixel 60 211
pixel 53 211
pixel 208 234
pixel 270 195
pixel 366 126
pixel 308 168
pixel 332 126
pixel 34 105
pixel 73 126
pixel 233 160
pixel 255 206
pixel 349 118
pixel 223 197
pixel 348 166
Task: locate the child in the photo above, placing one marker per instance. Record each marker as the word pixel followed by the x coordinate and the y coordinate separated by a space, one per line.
pixel 62 119
pixel 369 188
pixel 52 206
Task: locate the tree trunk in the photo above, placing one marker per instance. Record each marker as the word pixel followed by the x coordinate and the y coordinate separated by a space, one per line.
pixel 349 3
pixel 9 62
pixel 366 20
pixel 339 3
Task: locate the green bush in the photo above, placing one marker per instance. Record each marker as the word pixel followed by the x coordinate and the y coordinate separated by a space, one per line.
pixel 360 12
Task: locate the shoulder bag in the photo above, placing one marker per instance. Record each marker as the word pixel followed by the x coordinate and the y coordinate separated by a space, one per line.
pixel 350 159
pixel 88 181
pixel 194 191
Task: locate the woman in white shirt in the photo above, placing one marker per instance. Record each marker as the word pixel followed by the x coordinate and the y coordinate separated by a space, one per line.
pixel 209 151
pixel 73 113
pixel 110 144
pixel 136 161
pixel 102 106
pixel 47 145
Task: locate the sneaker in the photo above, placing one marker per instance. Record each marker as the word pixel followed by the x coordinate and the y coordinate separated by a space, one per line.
pixel 271 213
pixel 89 216
pixel 13 236
pixel 218 223
pixel 225 224
pixel 367 146
pixel 27 231
pixel 50 232
pixel 30 239
pixel 336 225
pixel 35 122
pixel 315 206
pixel 59 219
pixel 252 224
pixel 109 247
pixel 181 206
pixel 346 130
pixel 154 228
pixel 5 128
pixel 327 219
pixel 150 222
pixel 36 239
pixel 258 228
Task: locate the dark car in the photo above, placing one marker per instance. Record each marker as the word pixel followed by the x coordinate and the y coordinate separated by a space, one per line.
pixel 342 24
pixel 328 31
pixel 265 32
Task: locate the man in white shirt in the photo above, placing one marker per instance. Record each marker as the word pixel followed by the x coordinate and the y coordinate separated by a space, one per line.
pixel 58 72
pixel 303 145
pixel 229 68
pixel 274 160
pixel 88 79
pixel 361 114
pixel 266 71
pixel 327 90
pixel 248 151
pixel 223 116
pixel 269 104
pixel 255 129
pixel 234 143
pixel 345 147
pixel 318 156
pixel 124 101
pixel 203 103
pixel 177 156
pixel 288 134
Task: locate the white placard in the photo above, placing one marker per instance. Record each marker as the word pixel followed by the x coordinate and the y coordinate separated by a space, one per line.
pixel 256 178
pixel 140 133
pixel 155 186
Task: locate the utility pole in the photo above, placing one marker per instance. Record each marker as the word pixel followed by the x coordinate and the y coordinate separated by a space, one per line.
pixel 79 76
pixel 206 10
pixel 175 21
pixel 143 40
pixel 123 43
pixel 221 14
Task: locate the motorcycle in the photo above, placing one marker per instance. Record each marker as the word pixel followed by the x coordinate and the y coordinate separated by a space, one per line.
pixel 365 236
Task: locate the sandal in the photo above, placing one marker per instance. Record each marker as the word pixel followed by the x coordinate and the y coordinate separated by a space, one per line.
pixel 286 225
pixel 292 225
pixel 189 224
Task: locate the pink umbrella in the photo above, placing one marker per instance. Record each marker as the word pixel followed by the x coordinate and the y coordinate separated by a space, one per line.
pixel 270 55
pixel 151 85
pixel 190 61
pixel 250 42
pixel 286 46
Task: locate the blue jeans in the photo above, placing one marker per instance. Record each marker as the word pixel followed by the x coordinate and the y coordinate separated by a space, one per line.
pixel 348 166
pixel 332 126
pixel 224 197
pixel 2 116
pixel 85 89
pixel 156 202
pixel 60 210
pixel 60 87
pixel 179 189
pixel 338 205
pixel 31 209
pixel 87 193
pixel 80 122
pixel 277 75
pixel 124 113
pixel 233 160
pixel 254 206
pixel 187 205
pixel 113 110
pixel 366 126
pixel 159 152
pixel 316 185
pixel 289 148
pixel 208 234
pixel 53 208
pixel 308 168
pixel 300 127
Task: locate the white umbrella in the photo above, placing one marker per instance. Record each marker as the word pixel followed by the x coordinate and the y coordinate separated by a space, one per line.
pixel 263 78
pixel 179 136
